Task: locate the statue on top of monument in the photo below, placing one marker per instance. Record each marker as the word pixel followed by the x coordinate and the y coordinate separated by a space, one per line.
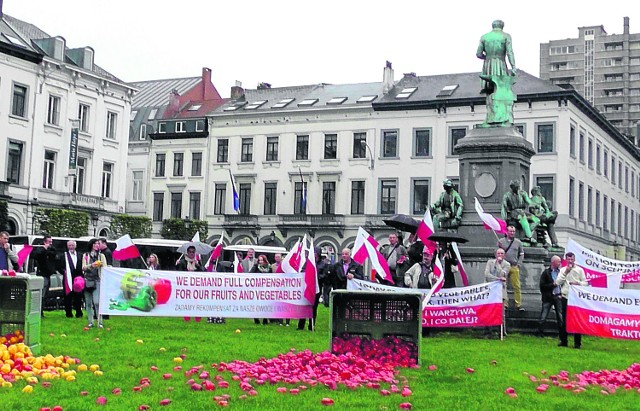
pixel 515 210
pixel 497 80
pixel 541 209
pixel 447 210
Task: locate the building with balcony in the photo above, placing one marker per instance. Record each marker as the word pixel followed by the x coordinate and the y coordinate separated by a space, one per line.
pixel 604 68
pixel 64 128
pixel 325 159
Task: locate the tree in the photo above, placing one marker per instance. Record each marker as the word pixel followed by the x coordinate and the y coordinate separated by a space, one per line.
pixel 4 216
pixel 62 223
pixel 176 229
pixel 135 226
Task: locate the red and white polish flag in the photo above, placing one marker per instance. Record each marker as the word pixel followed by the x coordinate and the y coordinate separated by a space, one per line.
pixel 490 222
pixel 424 231
pixel 461 270
pixel 125 249
pixel 23 254
pixel 215 254
pixel 237 267
pixel 311 276
pixel 294 260
pixel 367 247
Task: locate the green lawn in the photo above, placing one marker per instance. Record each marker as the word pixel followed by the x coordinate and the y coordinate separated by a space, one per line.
pixel 125 362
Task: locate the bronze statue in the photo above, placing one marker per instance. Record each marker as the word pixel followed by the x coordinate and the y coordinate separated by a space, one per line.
pixel 540 208
pixel 497 80
pixel 515 204
pixel 447 211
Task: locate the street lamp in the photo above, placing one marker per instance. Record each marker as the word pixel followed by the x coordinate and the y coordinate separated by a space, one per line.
pixel 372 164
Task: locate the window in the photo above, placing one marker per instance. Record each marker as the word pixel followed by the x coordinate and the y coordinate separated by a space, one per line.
pixel 422 143
pixel 572 141
pixel 302 147
pixel 158 206
pixel 544 138
pixel 357 197
pixel 605 214
pixel 270 195
pixel 546 185
pixel 176 205
pixel 219 198
pixel 581 201
pixel 522 129
pixel 613 215
pixel 598 218
pixel 152 114
pixel 246 156
pixel 619 232
pixel 633 185
pixel 53 111
pixel 112 120
pixel 160 163
pixel 181 127
pixel 272 148
pixel 589 205
pixel 300 198
pixel 336 101
pixel 200 125
pixel 83 117
pixel 626 222
pixel 107 179
pixel 329 197
pixel 194 205
pixel 390 144
pixel 613 170
pixel 14 163
pixel 598 160
pixel 581 147
pixel 620 173
pixel 178 164
pixel 455 134
pixel 19 101
pixel 626 178
pixel 330 146
pixel 223 150
pixel 572 197
pixel 137 185
pixel 420 195
pixel 196 164
pixel 143 131
pixel 388 196
pixel 245 198
pixel 283 103
pixel 590 153
pixel 81 171
pixel 48 174
pixel 359 145
pixel 162 128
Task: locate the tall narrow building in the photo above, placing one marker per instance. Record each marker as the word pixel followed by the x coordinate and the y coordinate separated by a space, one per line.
pixel 604 68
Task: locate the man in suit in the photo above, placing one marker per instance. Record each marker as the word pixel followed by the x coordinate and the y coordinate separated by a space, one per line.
pixel 345 269
pixel 70 264
pixel 551 297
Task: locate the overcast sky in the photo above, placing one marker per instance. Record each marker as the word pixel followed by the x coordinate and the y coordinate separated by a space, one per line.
pixel 300 42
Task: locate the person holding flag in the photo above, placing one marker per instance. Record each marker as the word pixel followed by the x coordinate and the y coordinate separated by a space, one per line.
pixel 320 267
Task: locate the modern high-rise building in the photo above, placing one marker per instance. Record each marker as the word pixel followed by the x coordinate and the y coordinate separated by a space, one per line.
pixel 604 68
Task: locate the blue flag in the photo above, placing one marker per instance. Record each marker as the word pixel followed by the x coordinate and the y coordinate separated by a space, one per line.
pixel 303 201
pixel 236 198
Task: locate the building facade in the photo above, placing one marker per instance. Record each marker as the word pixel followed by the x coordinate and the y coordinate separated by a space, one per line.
pixel 604 68
pixel 64 129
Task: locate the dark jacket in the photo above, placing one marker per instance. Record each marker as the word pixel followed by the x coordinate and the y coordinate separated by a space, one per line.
pixel 546 286
pixel 182 265
pixel 340 277
pixel 45 260
pixel 62 264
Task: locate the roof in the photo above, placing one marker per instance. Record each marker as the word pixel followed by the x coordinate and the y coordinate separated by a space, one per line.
pixel 155 93
pixel 325 94
pixel 27 33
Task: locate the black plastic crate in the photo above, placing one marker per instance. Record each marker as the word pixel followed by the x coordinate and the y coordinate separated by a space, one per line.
pixel 13 296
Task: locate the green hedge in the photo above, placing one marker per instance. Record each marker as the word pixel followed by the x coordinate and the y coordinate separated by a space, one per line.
pixel 4 216
pixel 135 226
pixel 175 229
pixel 62 223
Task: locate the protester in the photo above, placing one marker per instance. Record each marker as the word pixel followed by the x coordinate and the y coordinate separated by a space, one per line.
pixel 551 297
pixel 8 258
pixel 45 258
pixel 449 262
pixel 415 250
pixel 152 262
pixel 277 266
pixel 190 263
pixel 420 275
pixel 70 264
pixel 497 269
pixel 395 255
pixel 569 275
pixel 249 261
pixel 321 267
pixel 345 269
pixel 261 266
pixel 514 254
pixel 104 249
pixel 92 263
pixel 328 282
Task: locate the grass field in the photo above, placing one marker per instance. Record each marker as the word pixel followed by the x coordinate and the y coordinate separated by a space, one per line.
pixel 124 362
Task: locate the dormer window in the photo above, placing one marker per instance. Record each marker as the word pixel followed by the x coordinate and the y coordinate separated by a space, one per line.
pixel 162 128
pixel 336 101
pixel 366 99
pixel 194 107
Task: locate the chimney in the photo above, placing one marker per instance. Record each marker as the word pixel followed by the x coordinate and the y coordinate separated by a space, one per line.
pixel 626 25
pixel 387 78
pixel 174 104
pixel 206 81
pixel 237 91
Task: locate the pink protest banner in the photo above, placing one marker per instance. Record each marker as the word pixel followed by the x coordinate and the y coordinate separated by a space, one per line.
pixel 598 268
pixel 147 293
pixel 604 312
pixel 474 306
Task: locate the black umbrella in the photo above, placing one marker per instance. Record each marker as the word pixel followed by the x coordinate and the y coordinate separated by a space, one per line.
pixel 447 237
pixel 402 222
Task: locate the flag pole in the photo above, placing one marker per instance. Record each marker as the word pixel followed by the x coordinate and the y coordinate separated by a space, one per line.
pixel 144 262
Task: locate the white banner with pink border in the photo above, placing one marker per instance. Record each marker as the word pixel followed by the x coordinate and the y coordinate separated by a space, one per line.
pixel 146 293
pixel 600 270
pixel 604 312
pixel 477 305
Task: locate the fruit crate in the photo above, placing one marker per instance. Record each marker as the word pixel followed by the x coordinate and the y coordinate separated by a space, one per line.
pixel 20 302
pixel 376 315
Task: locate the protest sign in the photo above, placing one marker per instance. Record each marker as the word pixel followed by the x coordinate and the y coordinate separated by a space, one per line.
pixel 599 269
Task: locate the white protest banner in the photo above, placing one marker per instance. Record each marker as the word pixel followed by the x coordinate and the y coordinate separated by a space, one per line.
pixel 604 312
pixel 146 293
pixel 598 269
pixel 474 306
